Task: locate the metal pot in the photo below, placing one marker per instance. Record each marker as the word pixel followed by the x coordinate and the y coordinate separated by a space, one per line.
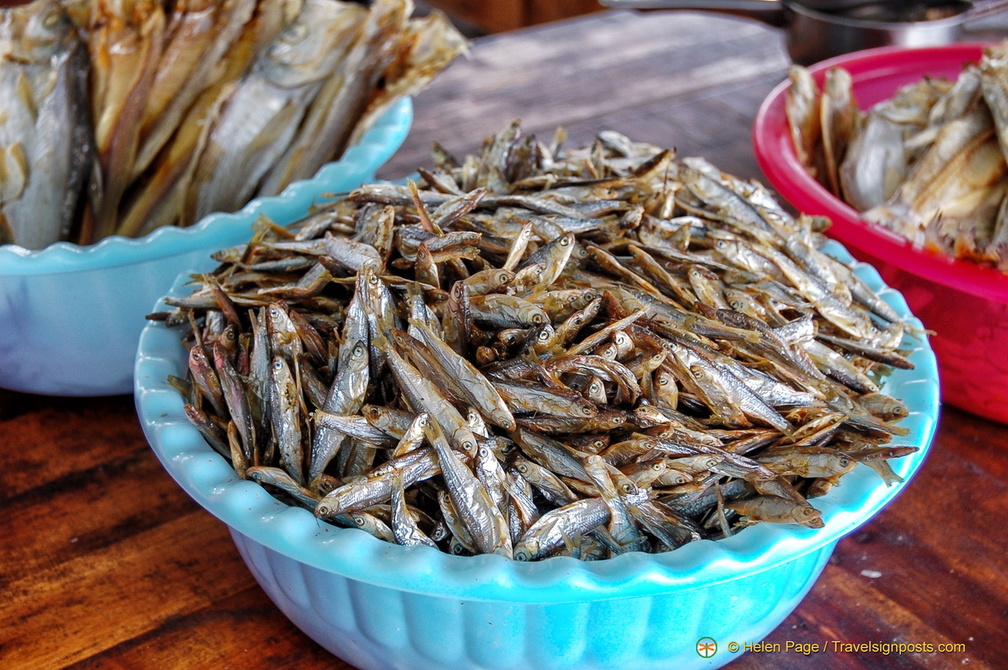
pixel 819 29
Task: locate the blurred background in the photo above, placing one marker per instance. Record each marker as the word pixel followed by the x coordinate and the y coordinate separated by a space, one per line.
pixel 476 17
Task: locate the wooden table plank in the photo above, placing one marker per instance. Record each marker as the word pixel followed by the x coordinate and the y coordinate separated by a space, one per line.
pixel 628 70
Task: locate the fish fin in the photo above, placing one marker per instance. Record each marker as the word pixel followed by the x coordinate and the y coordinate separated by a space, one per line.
pixel 13 172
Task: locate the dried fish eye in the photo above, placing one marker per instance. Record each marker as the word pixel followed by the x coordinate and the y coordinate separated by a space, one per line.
pixel 587 409
pixel 52 19
pixel 439 532
pixel 296 32
pixel 608 351
pixel 510 337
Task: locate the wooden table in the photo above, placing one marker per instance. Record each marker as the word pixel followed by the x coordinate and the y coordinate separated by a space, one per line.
pixel 105 562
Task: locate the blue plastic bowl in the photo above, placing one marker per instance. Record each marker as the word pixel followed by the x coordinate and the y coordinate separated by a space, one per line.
pixel 71 316
pixel 379 605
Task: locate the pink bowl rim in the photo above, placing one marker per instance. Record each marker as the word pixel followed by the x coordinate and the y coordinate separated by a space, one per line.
pixel 778 161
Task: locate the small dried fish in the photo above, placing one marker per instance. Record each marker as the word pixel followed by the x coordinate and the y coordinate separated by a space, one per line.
pixel 618 388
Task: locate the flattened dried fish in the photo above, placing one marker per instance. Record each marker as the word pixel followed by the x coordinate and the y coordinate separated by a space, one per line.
pixel 117 117
pixel 929 163
pixel 46 140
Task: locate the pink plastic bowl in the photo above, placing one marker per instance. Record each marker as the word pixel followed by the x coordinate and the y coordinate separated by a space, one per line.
pixel 965 304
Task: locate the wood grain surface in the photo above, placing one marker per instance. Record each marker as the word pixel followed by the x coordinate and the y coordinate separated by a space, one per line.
pixel 106 563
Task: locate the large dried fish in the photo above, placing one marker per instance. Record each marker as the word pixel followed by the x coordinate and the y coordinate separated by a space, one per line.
pixel 120 116
pixel 198 34
pixel 343 95
pixel 261 116
pixel 930 162
pixel 125 40
pixel 46 141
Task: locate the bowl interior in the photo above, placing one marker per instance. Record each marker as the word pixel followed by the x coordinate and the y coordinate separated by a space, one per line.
pixel 876 74
pixel 294 532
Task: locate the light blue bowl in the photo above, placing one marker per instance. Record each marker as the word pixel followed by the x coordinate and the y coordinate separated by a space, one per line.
pixel 71 316
pixel 379 605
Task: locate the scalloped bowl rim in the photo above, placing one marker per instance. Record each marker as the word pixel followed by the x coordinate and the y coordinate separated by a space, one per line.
pixel 294 532
pixel 374 148
pixel 776 157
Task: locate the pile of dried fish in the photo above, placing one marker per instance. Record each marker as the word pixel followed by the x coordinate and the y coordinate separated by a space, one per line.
pixel 928 163
pixel 538 351
pixel 119 117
